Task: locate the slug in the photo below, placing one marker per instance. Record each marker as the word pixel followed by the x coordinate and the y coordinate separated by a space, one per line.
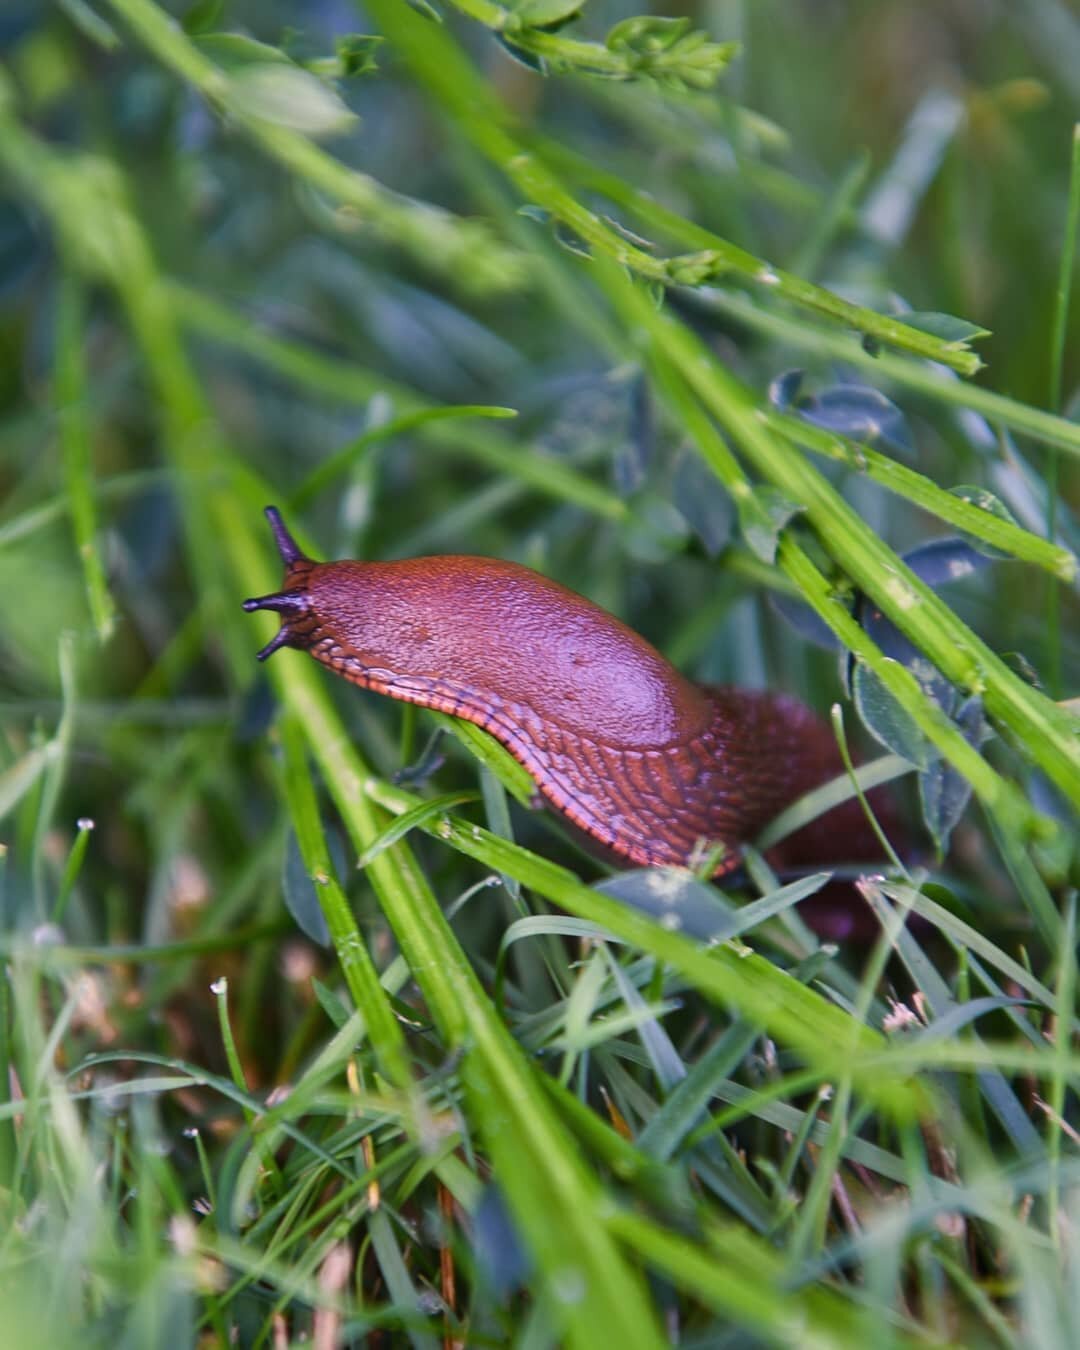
pixel 649 765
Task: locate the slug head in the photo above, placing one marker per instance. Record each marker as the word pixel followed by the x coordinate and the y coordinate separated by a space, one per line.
pixel 293 603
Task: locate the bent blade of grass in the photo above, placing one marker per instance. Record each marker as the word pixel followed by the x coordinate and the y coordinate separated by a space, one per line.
pixel 403 824
pixel 731 977
pixel 19 778
pixel 344 459
pixel 963 933
pixel 884 769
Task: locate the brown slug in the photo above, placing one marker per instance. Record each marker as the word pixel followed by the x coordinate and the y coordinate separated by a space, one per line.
pixel 649 765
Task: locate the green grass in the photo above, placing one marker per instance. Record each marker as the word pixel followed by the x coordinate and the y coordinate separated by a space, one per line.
pixel 505 285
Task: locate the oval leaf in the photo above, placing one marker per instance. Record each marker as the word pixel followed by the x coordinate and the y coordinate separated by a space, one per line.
pixel 675 899
pixel 886 720
pixel 282 93
pixel 301 895
pixel 655 531
pixel 544 13
pixel 784 389
pixel 501 1258
pixel 806 622
pixel 944 792
pixel 702 502
pixel 994 506
pixel 940 561
pixel 951 330
pixel 762 517
pixel 861 413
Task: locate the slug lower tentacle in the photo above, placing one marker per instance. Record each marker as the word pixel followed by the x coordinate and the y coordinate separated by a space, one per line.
pixel 648 764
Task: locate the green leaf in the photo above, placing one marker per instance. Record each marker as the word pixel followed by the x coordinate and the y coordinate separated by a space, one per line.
pixel 232 51
pixel 356 54
pixel 544 13
pixel 409 820
pixel 484 747
pixel 280 92
pixel 703 502
pixel 655 531
pixel 951 330
pixel 886 720
pixel 301 896
pixel 202 16
pixel 762 516
pixel 425 10
pixel 994 506
pixel 331 1002
pixel 944 793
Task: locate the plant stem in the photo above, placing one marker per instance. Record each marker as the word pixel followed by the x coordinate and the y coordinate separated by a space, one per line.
pixel 442 68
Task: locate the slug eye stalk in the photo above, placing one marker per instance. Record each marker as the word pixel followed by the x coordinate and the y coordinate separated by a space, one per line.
pixel 287 546
pixel 289 604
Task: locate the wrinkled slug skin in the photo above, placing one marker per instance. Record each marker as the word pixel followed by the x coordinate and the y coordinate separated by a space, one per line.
pixel 644 761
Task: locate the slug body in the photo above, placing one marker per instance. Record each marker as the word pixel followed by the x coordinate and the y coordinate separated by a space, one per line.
pixel 651 766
